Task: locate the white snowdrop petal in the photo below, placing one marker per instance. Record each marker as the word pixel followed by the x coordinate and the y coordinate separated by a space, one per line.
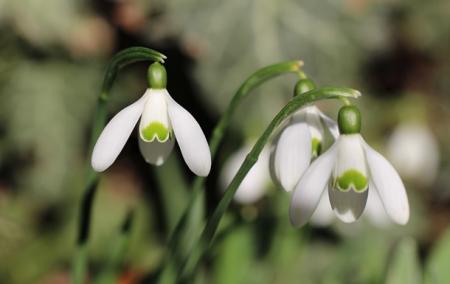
pixel 190 137
pixel 389 186
pixel 156 153
pixel 323 215
pixel 292 155
pixel 115 135
pixel 375 210
pixel 308 191
pixel 348 206
pixel 253 187
pixel 331 125
pixel 312 117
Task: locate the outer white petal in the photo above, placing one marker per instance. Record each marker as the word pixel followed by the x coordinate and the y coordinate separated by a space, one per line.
pixel 254 185
pixel 348 206
pixel 292 154
pixel 375 210
pixel 155 152
pixel 323 215
pixel 190 137
pixel 307 193
pixel 312 117
pixel 389 186
pixel 330 124
pixel 115 135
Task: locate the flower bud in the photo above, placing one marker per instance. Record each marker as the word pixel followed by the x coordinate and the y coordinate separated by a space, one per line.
pixel 157 76
pixel 349 120
pixel 303 86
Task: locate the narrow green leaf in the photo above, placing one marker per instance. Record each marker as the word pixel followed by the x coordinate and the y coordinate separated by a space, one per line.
pixel 112 266
pixel 234 257
pixel 404 266
pixel 437 268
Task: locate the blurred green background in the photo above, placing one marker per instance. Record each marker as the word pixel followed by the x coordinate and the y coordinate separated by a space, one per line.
pixel 52 57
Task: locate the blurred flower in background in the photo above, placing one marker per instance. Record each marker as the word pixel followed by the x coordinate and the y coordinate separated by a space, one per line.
pixel 414 152
pixel 256 183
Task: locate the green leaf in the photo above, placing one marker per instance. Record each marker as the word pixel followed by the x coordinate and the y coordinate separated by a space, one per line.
pixel 234 257
pixel 437 267
pixel 112 266
pixel 404 266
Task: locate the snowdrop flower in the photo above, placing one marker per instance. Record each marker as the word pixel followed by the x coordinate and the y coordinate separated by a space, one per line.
pixel 346 170
pixel 162 121
pixel 414 151
pixel 254 185
pixel 300 141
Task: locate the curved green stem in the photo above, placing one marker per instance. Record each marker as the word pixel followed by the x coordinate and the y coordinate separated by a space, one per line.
pixel 208 233
pixel 253 81
pixel 120 60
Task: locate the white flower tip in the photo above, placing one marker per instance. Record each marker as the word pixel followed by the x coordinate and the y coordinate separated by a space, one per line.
pixel 348 218
pixel 203 169
pixel 356 94
pixel 300 212
pixel 201 164
pixel 97 164
pixel 296 219
pixel 402 217
pixel 286 186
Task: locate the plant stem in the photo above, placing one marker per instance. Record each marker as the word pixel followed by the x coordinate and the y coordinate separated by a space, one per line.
pixel 208 233
pixel 120 60
pixel 254 80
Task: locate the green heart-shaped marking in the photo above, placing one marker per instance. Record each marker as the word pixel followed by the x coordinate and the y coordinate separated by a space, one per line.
pixel 352 179
pixel 155 130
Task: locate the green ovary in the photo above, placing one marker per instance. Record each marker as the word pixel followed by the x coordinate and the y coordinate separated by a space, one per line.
pixel 316 147
pixel 155 129
pixel 352 178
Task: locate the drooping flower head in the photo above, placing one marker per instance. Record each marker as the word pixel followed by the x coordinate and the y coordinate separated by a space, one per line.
pixel 162 121
pixel 348 170
pixel 300 141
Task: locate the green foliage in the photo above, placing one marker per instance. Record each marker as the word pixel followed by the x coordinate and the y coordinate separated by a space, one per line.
pixel 44 114
pixel 437 271
pixel 404 266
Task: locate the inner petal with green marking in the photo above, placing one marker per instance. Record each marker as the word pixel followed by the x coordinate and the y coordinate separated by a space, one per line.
pixel 155 130
pixel 352 179
pixel 316 147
